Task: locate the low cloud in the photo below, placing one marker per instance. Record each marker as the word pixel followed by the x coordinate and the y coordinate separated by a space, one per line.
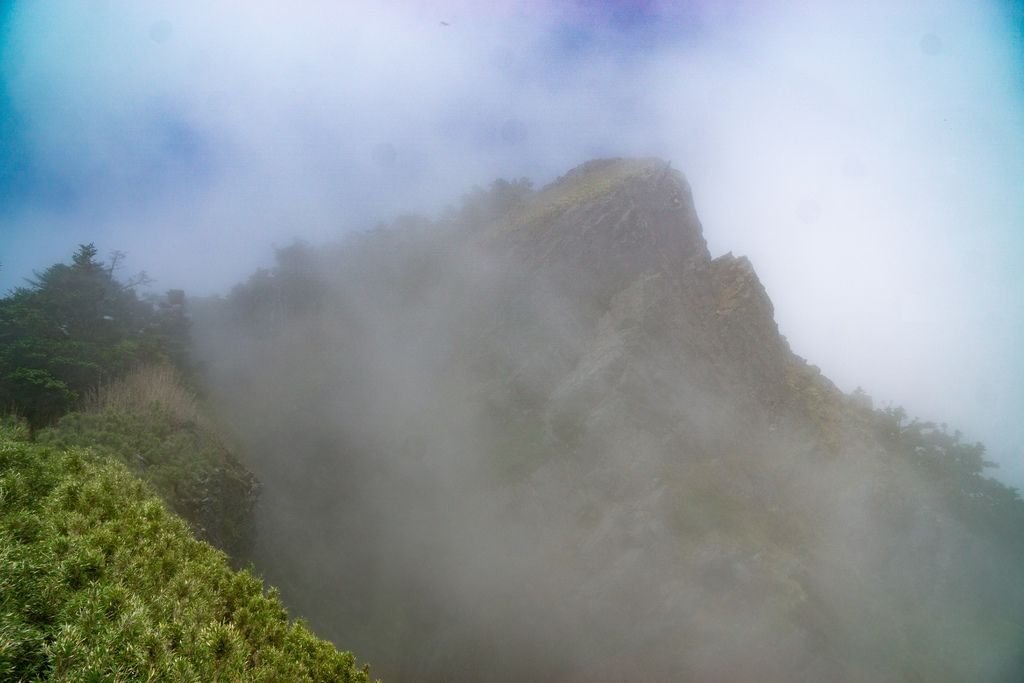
pixel 867 159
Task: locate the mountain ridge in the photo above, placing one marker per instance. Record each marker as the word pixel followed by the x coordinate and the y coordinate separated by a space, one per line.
pixel 578 434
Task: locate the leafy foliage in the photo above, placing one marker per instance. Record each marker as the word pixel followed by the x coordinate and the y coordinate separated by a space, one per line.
pixel 98 581
pixel 73 327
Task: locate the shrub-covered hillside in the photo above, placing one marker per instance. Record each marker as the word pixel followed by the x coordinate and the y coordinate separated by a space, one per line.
pixel 86 361
pixel 151 422
pixel 99 582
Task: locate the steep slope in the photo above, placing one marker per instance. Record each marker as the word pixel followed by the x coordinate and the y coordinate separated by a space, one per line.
pixel 554 439
pixel 98 581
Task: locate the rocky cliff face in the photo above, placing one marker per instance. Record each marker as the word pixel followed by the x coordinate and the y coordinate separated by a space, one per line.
pixel 562 442
pixel 604 224
pixel 619 244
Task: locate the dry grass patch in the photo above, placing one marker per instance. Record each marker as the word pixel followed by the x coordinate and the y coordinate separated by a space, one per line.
pixel 148 386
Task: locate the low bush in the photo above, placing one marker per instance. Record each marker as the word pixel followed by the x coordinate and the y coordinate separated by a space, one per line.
pixel 99 581
pixel 152 424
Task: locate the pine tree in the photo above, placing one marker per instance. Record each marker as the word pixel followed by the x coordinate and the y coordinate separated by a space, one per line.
pixel 75 326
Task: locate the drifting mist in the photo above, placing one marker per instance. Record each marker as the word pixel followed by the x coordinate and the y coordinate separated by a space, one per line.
pixel 595 465
pixel 548 437
pixel 867 160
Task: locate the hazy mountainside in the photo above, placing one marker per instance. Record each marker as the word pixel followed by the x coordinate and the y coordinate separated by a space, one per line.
pixel 549 436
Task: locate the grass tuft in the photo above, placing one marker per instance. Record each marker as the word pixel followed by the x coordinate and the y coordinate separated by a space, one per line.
pixel 151 385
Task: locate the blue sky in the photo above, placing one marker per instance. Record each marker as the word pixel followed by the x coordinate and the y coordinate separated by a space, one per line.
pixel 868 157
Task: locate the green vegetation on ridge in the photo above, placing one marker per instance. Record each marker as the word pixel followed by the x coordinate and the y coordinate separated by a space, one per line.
pixel 180 456
pixel 79 339
pixel 99 582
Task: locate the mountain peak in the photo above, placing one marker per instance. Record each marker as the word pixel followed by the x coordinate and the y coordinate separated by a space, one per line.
pixel 607 222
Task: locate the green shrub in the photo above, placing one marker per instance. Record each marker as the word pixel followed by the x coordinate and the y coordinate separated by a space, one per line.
pixel 98 581
pixel 184 461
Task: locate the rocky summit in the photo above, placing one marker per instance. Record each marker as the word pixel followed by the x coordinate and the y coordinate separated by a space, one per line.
pixel 549 437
